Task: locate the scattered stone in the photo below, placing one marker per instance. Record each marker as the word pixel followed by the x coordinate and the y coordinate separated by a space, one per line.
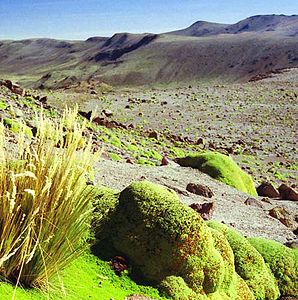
pixel 18 90
pixel 267 200
pixel 206 210
pixel 266 189
pixel 165 161
pixel 288 193
pixel 87 115
pixel 108 113
pixel 199 189
pixel 200 141
pixel 130 161
pixel 14 88
pixel 254 202
pixel 93 92
pixel 43 99
pixel 153 134
pixel 281 214
pixel 119 264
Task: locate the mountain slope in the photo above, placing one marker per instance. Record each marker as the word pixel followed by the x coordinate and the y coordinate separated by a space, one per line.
pixel 285 25
pixel 254 46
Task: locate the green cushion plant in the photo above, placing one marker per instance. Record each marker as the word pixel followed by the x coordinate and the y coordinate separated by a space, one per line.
pixel 220 167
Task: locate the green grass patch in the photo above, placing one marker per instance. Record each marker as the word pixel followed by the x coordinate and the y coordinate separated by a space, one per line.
pixel 87 277
pixel 3 105
pixel 115 156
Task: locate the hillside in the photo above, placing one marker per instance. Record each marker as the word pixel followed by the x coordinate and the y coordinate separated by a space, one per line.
pixel 146 219
pixel 203 52
pixel 280 24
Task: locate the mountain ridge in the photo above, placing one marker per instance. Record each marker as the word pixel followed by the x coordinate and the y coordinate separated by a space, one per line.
pixel 203 51
pixel 257 23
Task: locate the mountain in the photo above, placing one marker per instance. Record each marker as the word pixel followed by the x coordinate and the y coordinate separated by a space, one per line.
pixel 285 25
pixel 203 52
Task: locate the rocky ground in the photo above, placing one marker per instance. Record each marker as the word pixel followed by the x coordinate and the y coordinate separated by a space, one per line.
pixel 256 123
pixel 250 217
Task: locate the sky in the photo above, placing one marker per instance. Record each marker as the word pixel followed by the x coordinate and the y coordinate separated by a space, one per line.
pixel 80 19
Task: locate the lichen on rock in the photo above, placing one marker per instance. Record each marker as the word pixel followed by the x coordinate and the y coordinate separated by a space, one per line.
pixel 220 167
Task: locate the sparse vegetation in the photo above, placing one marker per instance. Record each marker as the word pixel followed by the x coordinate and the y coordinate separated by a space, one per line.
pixel 44 204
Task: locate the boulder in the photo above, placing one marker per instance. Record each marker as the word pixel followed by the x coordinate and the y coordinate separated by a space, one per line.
pixel 266 189
pixel 254 202
pixel 205 209
pixel 288 193
pixel 165 161
pixel 153 134
pixel 18 90
pixel 284 216
pixel 200 189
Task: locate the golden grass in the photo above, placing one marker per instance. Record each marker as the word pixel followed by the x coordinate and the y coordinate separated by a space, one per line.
pixel 44 201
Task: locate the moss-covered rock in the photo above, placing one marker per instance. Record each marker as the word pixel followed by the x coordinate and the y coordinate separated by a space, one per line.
pixel 283 262
pixel 249 264
pixel 163 238
pixel 222 168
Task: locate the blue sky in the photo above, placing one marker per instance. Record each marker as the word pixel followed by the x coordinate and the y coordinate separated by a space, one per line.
pixel 80 19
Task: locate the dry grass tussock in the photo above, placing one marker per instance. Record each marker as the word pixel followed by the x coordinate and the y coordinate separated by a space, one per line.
pixel 44 201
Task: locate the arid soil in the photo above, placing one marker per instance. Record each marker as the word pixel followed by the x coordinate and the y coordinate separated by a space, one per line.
pixel 255 122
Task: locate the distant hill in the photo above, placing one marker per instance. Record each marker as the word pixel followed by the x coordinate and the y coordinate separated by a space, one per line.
pixel 285 25
pixel 203 52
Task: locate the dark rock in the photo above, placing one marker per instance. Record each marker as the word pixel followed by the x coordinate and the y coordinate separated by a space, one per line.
pixel 288 193
pixel 200 141
pixel 43 99
pixel 130 161
pixel 153 135
pixel 16 89
pixel 266 189
pixel 206 210
pixel 200 189
pixel 281 214
pixel 108 113
pixel 86 115
pixel 267 200
pixel 7 83
pixel 119 264
pixel 254 202
pixel 164 161
pixel 93 92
